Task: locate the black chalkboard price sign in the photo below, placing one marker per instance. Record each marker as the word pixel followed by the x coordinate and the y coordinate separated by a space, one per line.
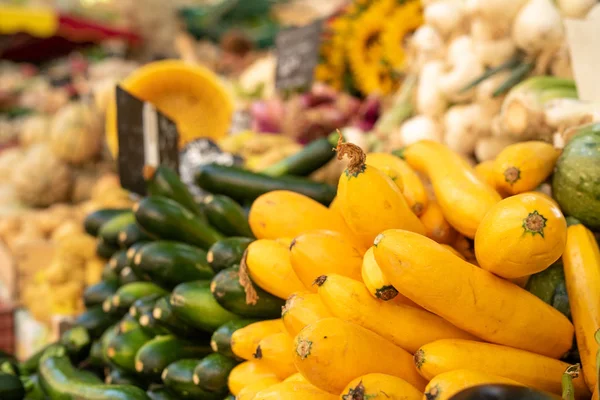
pixel 297 56
pixel 146 137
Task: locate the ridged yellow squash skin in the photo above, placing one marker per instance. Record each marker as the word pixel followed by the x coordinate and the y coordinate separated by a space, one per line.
pixel 297 377
pixel 380 387
pixel 521 167
pixel 248 392
pixel 581 261
pixel 293 391
pixel 469 297
pixel 323 252
pixel 521 235
pixel 405 326
pixel 276 352
pixel 247 373
pixel 378 285
pixel 371 203
pixel 540 372
pixel 245 340
pixel 269 265
pixel 436 226
pixel 447 384
pixel 462 195
pixel 302 309
pixel 412 186
pixel 282 213
pixel 332 352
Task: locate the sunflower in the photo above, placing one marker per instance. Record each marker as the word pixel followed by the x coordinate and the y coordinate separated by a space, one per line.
pixel 405 19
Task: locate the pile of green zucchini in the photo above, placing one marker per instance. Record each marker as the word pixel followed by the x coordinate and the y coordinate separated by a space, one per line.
pixel 159 323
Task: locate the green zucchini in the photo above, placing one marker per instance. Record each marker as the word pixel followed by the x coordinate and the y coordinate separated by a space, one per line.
pixel 229 397
pixel 227 216
pixel 229 293
pixel 243 186
pixel 33 388
pixel 105 250
pixel 96 357
pixel 178 378
pixel 161 393
pixel 94 221
pixel 128 323
pixel 119 377
pixel 143 305
pixel 151 325
pixel 109 275
pixel 163 181
pixel 194 303
pixel 105 340
pixel 212 372
pixel 94 295
pixel 11 387
pixel 155 355
pixel 499 392
pixel 560 301
pixel 131 252
pixel 131 234
pixel 312 157
pixel 110 307
pixel 164 316
pixel 123 347
pixel 129 293
pixel 167 219
pixel 109 232
pixel 95 320
pixel 549 285
pixel 127 275
pixel 170 263
pixel 227 253
pixel 77 342
pixel 118 261
pixel 8 363
pixel 220 341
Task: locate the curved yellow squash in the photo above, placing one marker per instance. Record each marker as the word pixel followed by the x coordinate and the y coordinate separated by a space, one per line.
pixel 248 373
pixel 581 261
pixel 275 351
pixel 469 297
pixel 245 340
pixel 282 213
pixel 297 377
pixel 540 372
pixel 521 235
pixel 454 251
pixel 380 387
pixel 377 284
pixel 248 392
pixel 521 167
pixel 405 326
pixel 294 391
pixel 412 186
pixel 370 201
pixel 447 384
pixel 462 195
pixel 268 263
pixel 323 252
pixel 332 352
pixel 302 309
pixel 485 171
pixel 436 226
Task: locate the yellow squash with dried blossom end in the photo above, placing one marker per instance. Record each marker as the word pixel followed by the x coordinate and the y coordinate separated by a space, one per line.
pixel 463 196
pixel 581 261
pixel 275 351
pixel 378 285
pixel 380 387
pixel 370 201
pixel 521 235
pixel 248 392
pixel 302 309
pixel 470 297
pixel 247 373
pixel 447 384
pixel 521 167
pixel 294 391
pixel 540 372
pixel 245 340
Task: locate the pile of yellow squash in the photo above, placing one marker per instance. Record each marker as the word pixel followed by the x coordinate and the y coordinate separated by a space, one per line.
pixel 387 299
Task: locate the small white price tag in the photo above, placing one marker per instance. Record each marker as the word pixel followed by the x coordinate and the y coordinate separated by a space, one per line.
pixel 583 37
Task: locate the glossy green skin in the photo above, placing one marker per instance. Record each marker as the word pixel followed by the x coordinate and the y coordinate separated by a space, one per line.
pixel 118 261
pixel 105 340
pixel 576 181
pixel 109 232
pixel 220 341
pixel 33 388
pixel 127 276
pixel 128 323
pixel 178 377
pixel 77 341
pixel 95 320
pixel 161 393
pixel 227 216
pixel 11 387
pixel 500 392
pixel 114 310
pixel 213 371
pixel 94 295
pixel 151 325
pixel 120 377
pixel 163 314
pixel 549 286
pixel 131 234
pixel 94 221
pixel 154 356
pixel 143 305
pixel 230 294
pixel 131 292
pixel 170 263
pixel 131 252
pixel 30 366
pixel 244 186
pixel 105 250
pixel 96 357
pixel 227 252
pixel 109 275
pixel 122 348
pixel 167 219
pixel 194 304
pixel 165 182
pixel 312 157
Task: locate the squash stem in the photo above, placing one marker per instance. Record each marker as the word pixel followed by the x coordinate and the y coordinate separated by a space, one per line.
pixel 355 154
pixel 568 390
